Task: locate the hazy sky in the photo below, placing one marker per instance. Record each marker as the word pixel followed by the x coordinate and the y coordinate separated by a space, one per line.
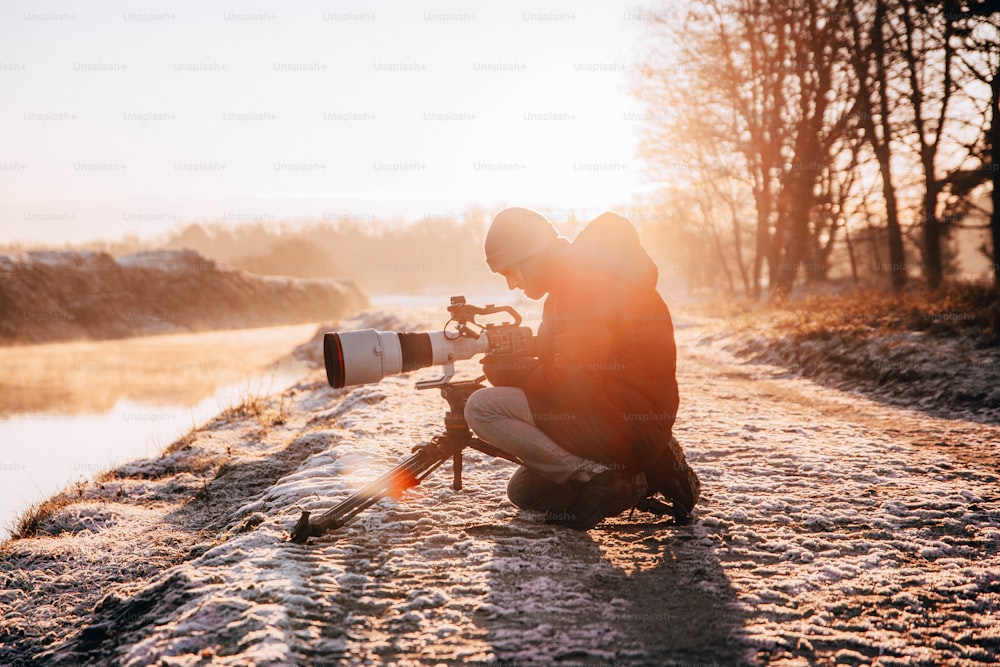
pixel 133 118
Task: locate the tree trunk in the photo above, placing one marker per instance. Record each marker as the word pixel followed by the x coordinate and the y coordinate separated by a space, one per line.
pixel 995 173
pixel 880 144
pixel 738 245
pixel 850 254
pixel 798 237
pixel 929 137
pixel 897 256
pixel 762 245
pixel 933 258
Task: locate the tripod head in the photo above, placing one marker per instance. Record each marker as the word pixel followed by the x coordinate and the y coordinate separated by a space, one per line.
pixel 457 394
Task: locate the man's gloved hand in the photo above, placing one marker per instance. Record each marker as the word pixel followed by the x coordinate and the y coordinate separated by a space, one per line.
pixel 507 370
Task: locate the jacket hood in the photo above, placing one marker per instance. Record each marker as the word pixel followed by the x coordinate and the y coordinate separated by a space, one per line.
pixel 610 244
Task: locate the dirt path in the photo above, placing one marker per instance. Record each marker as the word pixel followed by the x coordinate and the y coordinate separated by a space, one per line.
pixel 851 530
pixel 833 530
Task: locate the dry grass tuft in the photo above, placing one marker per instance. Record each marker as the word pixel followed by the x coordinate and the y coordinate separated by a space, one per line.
pixel 252 403
pixel 30 522
pixel 255 403
pixel 274 417
pixel 182 444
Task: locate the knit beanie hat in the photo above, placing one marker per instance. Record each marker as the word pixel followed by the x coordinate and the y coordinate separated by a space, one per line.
pixel 515 235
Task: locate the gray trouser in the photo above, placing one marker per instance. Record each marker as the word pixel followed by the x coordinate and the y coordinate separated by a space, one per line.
pixel 502 417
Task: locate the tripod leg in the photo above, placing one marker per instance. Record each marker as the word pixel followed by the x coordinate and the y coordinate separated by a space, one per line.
pixel 456 471
pixel 406 475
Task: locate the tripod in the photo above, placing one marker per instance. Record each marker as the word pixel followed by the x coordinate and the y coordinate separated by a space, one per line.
pixel 424 460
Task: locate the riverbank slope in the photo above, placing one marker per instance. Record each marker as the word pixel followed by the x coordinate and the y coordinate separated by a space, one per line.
pixel 48 296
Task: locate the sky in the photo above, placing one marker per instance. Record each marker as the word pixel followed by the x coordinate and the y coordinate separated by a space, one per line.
pixel 127 118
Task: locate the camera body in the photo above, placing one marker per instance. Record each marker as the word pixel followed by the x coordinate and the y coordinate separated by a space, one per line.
pixel 509 339
pixel 368 355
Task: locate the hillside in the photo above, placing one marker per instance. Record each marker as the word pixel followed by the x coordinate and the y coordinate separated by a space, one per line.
pixel 50 296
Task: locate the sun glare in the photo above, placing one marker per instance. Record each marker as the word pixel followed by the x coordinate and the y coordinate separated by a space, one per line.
pixel 129 129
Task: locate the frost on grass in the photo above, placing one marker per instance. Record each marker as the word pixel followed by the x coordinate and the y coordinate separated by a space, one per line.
pixel 833 530
pixel 948 376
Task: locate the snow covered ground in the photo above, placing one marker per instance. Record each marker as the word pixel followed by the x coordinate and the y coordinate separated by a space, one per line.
pixel 833 529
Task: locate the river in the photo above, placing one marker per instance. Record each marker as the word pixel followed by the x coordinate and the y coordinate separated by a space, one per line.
pixel 71 410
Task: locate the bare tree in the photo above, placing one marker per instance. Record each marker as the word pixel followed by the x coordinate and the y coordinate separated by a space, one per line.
pixel 834 204
pixel 976 25
pixel 816 121
pixel 994 153
pixel 767 102
pixel 870 60
pixel 703 174
pixel 928 56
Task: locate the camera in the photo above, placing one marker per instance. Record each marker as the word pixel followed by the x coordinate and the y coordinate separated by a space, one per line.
pixel 368 355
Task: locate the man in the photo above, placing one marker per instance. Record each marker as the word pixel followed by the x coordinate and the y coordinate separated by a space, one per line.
pixel 590 416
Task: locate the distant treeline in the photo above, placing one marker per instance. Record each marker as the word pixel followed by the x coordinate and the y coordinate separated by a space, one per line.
pixel 379 257
pixel 426 255
pixel 436 253
pixel 694 253
pixel 383 256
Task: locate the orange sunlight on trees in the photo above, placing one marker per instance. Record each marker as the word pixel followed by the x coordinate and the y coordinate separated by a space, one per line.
pixel 803 136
